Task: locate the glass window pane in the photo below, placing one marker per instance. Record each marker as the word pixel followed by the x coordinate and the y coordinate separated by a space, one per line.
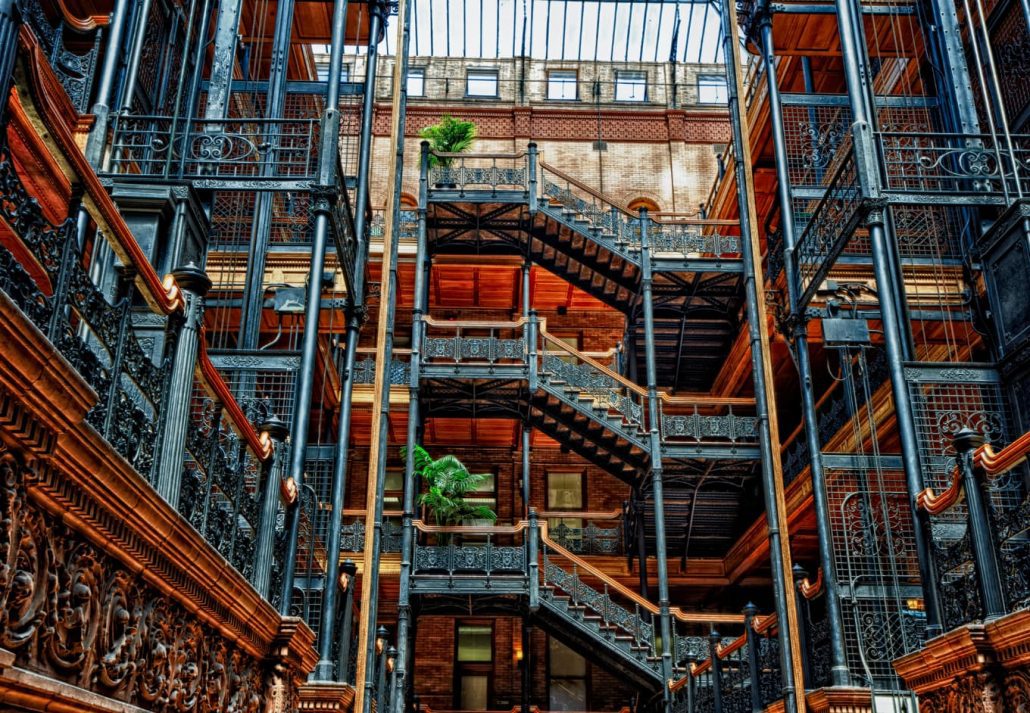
pixel 564 491
pixel 416 82
pixel 564 661
pixel 474 690
pixel 711 90
pixel 630 86
pixel 561 85
pixel 481 83
pixel 475 643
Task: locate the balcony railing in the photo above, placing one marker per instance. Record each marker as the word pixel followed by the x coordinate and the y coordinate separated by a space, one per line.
pixel 955 164
pixel 587 533
pixel 224 153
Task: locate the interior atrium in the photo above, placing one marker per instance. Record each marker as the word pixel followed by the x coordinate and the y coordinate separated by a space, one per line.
pixel 629 356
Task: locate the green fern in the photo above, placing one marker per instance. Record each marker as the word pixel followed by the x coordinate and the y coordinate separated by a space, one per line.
pixel 447 482
pixel 449 135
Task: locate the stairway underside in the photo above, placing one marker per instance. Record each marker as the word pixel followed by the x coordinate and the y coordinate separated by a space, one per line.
pixel 697 308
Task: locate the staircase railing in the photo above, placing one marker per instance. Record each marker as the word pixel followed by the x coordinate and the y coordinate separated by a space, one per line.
pixel 468 343
pixel 702 419
pixel 604 218
pixel 487 171
pixel 585 533
pixel 564 368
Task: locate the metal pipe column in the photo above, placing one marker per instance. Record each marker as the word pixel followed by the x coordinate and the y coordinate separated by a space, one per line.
pixel 527 430
pixel 105 86
pixel 275 98
pixel 135 55
pixel 408 532
pixel 323 197
pixel 656 457
pixel 761 368
pixel 868 172
pixel 838 659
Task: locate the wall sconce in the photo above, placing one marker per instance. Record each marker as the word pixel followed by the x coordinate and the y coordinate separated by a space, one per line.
pixel 518 654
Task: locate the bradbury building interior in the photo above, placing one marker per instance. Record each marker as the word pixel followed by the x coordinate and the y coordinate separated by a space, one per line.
pixel 628 356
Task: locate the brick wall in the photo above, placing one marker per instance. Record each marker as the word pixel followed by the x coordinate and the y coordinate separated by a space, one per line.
pixel 435 670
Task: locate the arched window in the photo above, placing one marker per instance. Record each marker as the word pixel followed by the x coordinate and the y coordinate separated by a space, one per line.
pixel 408 201
pixel 637 203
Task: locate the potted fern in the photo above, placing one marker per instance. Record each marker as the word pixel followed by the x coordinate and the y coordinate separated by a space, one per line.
pixel 446 484
pixel 449 135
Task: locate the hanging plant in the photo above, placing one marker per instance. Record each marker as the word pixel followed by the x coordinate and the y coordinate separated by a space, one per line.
pixel 449 135
pixel 447 482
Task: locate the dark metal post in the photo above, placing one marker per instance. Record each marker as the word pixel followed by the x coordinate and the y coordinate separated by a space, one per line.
pixel 656 456
pixel 531 179
pixel 527 672
pixel 752 657
pixel 404 613
pixel 838 659
pixel 526 469
pixel 868 171
pixel 253 286
pixel 193 284
pixel 713 652
pixel 527 430
pixel 328 168
pixel 135 55
pixel 532 563
pixel 985 555
pixel 383 652
pixel 105 85
pixel 348 571
pixel 264 552
pixel 223 58
pixel 532 348
pixel 10 23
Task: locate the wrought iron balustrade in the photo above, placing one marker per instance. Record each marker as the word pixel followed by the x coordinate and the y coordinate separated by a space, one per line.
pixel 221 483
pixel 608 222
pixel 240 153
pixel 584 535
pixel 832 223
pixel 365 372
pixel 954 164
pixel 68 292
pixel 471 551
pixel 704 423
pixel 474 343
pixel 354 535
pixel 693 238
pixel 566 372
pixel 493 172
pixel 408 225
pixel 74 70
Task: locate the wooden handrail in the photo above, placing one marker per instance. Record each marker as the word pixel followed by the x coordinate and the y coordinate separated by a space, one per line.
pixel 679 614
pixel 473 324
pixel 600 367
pixel 935 504
pixel 472 529
pixel 810 590
pixel 585 515
pixel 998 462
pixel 444 154
pixel 584 187
pixel 735 645
pixel 763 625
pixel 83 25
pixel 260 444
pixel 164 297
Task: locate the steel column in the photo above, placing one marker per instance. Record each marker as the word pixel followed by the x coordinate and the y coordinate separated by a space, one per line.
pixel 654 424
pixel 193 284
pixel 329 151
pixel 838 659
pixel 527 305
pixel 750 610
pixel 348 572
pixel 135 54
pixel 868 172
pixel 526 469
pixel 761 368
pixel 419 310
pixel 253 286
pixel 105 85
pixel 985 555
pixel 264 552
pixel 227 28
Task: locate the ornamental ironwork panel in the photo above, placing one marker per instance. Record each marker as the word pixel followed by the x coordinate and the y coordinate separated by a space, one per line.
pixel 474 350
pixel 606 222
pixel 589 539
pixel 93 333
pixel 697 428
pixel 213 150
pixel 691 240
pixel 579 376
pixel 953 164
pixel 74 70
pixel 464 177
pixel 365 372
pixel 485 558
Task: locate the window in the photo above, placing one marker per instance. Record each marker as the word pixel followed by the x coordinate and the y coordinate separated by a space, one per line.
pixel 474 654
pixel 630 86
pixel 566 678
pixel 711 90
pixel 393 490
pixel 481 83
pixel 561 85
pixel 320 57
pixel 565 493
pixel 416 82
pixel 484 494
